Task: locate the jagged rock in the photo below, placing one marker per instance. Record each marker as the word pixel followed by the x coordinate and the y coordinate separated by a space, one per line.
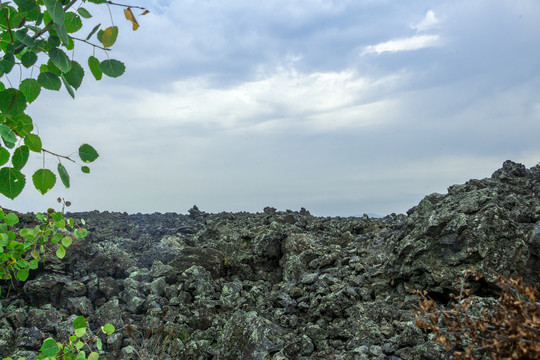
pixel 277 285
pixel 248 336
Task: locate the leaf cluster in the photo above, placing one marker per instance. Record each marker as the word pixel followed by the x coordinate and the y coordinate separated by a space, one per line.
pixel 22 251
pixel 508 330
pixel 72 349
pixel 40 35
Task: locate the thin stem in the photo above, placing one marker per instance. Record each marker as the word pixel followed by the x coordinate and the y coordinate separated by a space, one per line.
pixel 126 6
pixel 89 43
pixel 110 14
pixel 7 21
pixel 57 155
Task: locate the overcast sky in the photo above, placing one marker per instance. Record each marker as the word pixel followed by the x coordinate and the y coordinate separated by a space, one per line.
pixel 341 107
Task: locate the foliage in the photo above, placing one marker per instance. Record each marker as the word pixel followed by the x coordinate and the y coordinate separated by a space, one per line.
pixel 73 348
pixel 38 37
pixel 21 252
pixel 508 330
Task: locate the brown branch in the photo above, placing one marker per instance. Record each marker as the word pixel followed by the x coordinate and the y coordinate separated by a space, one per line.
pixel 7 20
pixel 57 155
pixel 89 43
pixel 126 6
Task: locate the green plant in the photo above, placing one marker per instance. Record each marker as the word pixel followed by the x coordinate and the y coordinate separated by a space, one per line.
pixel 73 348
pixel 21 252
pixel 510 329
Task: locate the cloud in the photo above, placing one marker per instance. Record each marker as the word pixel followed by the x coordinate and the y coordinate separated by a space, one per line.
pixel 430 21
pixel 406 44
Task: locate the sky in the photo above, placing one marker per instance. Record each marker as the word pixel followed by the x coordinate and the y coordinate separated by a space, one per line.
pixel 340 107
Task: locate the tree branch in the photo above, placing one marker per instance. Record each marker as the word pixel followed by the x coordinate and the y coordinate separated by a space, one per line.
pixel 126 6
pixel 20 48
pixel 57 155
pixel 7 20
pixel 89 43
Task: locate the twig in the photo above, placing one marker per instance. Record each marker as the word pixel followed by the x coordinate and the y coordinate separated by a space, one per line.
pixel 89 43
pixel 127 6
pixel 57 155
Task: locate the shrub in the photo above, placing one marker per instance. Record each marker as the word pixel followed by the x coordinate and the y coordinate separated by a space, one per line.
pixel 508 329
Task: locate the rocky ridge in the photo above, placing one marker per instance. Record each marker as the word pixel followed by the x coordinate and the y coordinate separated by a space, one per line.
pixel 277 285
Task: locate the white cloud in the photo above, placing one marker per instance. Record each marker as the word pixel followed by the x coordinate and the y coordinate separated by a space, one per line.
pixel 405 44
pixel 277 101
pixel 430 21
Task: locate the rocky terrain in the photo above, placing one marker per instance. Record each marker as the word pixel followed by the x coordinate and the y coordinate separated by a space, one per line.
pixel 277 285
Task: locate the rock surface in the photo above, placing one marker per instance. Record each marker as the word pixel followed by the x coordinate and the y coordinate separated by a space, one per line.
pixel 277 285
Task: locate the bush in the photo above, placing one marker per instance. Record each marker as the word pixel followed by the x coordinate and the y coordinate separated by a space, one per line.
pixel 506 329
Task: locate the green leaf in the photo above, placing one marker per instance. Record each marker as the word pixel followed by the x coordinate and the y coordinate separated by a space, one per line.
pixel 25 5
pixel 61 30
pixel 93 31
pixel 98 1
pixel 109 36
pixel 84 169
pixel 49 81
pixel 12 182
pixel 49 347
pixel 79 326
pixel 20 157
pixel 23 37
pixel 80 233
pixel 60 59
pixel 4 157
pixel 7 134
pixel 61 224
pixel 108 329
pixel 64 176
pixel 28 59
pixel 33 264
pixel 55 9
pixel 33 142
pixel 84 13
pixel 112 68
pixel 44 180
pixel 93 356
pixel 12 101
pixel 21 124
pixel 66 241
pixel 72 22
pixel 67 86
pixel 30 89
pixel 50 67
pixel 22 274
pixel 75 75
pixel 8 61
pixel 70 44
pixel 53 41
pixel 87 153
pixel 93 64
pixel 60 252
pixel 11 219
